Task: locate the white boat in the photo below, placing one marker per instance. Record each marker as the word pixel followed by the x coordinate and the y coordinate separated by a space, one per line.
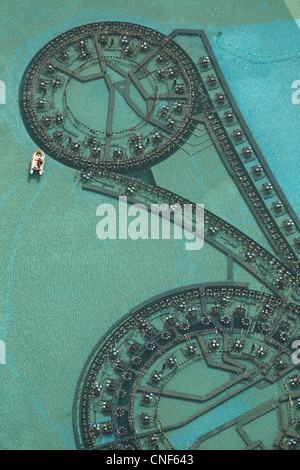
pixel 37 162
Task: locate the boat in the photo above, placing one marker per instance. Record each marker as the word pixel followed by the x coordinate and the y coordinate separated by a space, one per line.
pixel 37 162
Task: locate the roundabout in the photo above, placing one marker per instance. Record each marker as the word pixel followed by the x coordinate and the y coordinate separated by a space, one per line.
pixel 114 96
pixel 206 367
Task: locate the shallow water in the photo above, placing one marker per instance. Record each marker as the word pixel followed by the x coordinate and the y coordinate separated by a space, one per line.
pixel 61 288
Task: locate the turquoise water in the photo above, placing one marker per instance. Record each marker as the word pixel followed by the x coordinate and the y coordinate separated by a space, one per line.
pixel 267 105
pixel 214 419
pixel 61 287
